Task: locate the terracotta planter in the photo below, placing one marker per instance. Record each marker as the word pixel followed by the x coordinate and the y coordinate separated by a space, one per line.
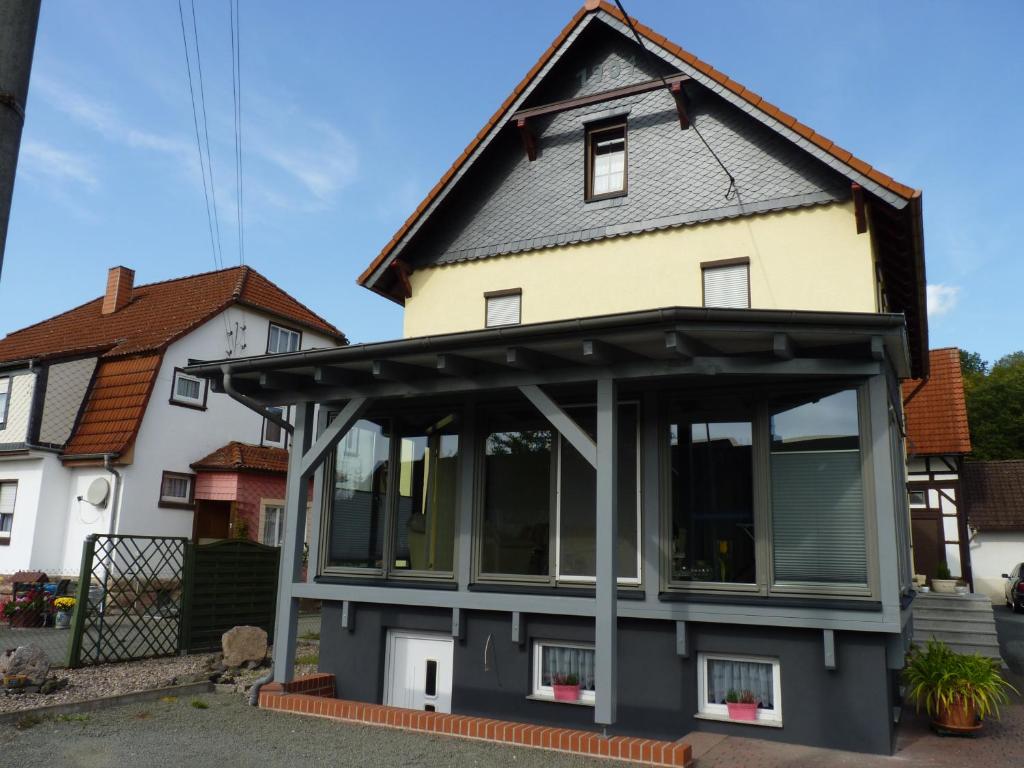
pixel 742 711
pixel 959 717
pixel 566 692
pixel 26 619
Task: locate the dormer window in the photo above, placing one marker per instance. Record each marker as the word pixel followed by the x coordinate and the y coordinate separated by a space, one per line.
pixel 281 339
pixel 188 390
pixel 606 161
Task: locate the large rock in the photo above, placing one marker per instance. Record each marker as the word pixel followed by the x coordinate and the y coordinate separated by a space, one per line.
pixel 28 660
pixel 242 644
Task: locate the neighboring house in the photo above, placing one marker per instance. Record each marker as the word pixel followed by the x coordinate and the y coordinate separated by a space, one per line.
pixel 644 428
pixel 100 424
pixel 938 438
pixel 994 493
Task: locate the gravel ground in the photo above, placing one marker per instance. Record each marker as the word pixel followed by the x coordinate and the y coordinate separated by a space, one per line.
pixel 229 733
pixel 112 679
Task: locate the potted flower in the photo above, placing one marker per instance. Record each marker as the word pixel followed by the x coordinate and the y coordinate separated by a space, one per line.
pixel 63 606
pixel 741 705
pixel 567 687
pixel 26 608
pixel 944 583
pixel 957 690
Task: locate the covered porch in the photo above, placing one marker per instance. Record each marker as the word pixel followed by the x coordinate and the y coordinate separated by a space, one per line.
pixel 537 469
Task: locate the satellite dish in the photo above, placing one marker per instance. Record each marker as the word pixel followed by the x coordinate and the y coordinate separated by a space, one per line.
pixel 98 491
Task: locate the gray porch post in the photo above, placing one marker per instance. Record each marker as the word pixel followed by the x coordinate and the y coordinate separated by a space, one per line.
pixel 605 609
pixel 287 620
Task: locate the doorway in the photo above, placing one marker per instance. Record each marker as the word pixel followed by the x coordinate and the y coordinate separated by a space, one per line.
pixel 419 671
pixel 212 521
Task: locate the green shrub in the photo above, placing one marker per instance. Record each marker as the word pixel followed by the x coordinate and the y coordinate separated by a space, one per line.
pixel 938 677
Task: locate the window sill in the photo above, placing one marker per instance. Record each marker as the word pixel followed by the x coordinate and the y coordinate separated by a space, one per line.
pixel 772 601
pixel 600 203
pixel 727 719
pixel 553 700
pixel 376 580
pixel 193 406
pixel 175 505
pixel 512 588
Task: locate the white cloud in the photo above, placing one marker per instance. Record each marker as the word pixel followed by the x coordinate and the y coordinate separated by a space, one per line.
pixel 41 159
pixel 942 299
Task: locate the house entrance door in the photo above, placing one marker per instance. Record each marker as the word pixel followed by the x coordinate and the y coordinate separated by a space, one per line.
pixel 926 528
pixel 419 671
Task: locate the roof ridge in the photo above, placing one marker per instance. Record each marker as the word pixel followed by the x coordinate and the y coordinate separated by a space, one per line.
pixel 243 278
pixel 313 312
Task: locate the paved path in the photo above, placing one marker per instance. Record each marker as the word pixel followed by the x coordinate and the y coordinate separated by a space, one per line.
pixel 1010 629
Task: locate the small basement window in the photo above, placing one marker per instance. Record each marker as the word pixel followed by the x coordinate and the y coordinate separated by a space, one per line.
pixel 719 676
pixel 188 390
pixel 177 490
pixel 606 162
pixel 281 339
pixel 557 661
pixel 8 494
pixel 727 283
pixel 504 307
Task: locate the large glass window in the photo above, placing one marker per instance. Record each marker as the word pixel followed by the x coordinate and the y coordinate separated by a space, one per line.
pixel 818 521
pixel 424 538
pixel 359 496
pixel 712 524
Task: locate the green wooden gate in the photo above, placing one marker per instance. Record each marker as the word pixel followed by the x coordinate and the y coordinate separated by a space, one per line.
pixel 232 583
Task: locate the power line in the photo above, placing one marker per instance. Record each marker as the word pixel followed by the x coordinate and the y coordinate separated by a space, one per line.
pixel 206 132
pixel 236 92
pixel 729 193
pixel 199 146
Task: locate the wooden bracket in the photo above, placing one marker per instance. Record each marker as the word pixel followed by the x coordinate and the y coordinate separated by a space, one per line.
pixel 859 211
pixel 402 275
pixel 529 143
pixel 680 96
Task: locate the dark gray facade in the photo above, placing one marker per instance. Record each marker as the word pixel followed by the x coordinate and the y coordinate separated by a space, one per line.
pixel 849 707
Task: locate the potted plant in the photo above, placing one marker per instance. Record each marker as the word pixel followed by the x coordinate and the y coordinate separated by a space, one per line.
pixel 566 687
pixel 63 606
pixel 943 583
pixel 958 691
pixel 742 705
pixel 26 609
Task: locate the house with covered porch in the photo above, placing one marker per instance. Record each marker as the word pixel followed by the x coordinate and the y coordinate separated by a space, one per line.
pixel 643 431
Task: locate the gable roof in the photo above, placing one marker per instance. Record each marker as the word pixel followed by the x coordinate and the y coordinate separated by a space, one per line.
pixel 158 314
pixel 994 494
pixel 907 245
pixel 242 457
pixel 936 413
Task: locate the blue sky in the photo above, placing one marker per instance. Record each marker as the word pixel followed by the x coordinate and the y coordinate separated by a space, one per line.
pixel 352 111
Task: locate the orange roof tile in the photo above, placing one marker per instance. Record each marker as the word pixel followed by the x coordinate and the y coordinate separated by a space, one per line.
pixel 937 412
pixel 240 457
pixel 158 314
pixel 902 190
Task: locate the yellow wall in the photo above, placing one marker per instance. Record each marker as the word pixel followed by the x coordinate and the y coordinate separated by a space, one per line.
pixel 810 258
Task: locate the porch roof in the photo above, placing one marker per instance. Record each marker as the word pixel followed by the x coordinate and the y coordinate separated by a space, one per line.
pixel 671 341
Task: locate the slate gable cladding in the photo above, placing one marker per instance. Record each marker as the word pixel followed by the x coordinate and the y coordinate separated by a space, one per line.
pixel 508 204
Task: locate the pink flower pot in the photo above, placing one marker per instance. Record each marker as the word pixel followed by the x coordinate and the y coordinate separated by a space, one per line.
pixel 739 711
pixel 566 692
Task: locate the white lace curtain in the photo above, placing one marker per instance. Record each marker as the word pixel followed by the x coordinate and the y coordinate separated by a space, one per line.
pixel 569 661
pixel 740 676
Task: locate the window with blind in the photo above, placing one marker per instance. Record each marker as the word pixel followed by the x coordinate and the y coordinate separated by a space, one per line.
pixel 503 308
pixel 818 521
pixel 176 490
pixel 557 662
pixel 8 495
pixel 188 390
pixel 727 284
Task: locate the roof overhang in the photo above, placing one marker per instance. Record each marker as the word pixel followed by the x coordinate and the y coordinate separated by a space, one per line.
pixel 651 344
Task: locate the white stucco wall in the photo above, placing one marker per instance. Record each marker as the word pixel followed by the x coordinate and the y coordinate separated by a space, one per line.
pixel 993 554
pixel 39 478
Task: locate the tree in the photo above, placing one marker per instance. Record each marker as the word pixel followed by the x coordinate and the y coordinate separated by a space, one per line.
pixel 995 405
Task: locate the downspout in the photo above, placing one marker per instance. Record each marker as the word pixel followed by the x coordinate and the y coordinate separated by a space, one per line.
pixel 251 404
pixel 254 692
pixel 115 506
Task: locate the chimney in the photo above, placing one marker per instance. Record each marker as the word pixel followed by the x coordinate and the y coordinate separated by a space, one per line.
pixel 119 289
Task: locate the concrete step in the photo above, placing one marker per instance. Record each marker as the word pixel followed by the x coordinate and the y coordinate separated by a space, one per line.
pixel 972 617
pixel 958 603
pixel 954 638
pixel 991 652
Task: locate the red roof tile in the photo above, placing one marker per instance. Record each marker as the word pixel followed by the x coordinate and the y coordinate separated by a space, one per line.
pixel 994 494
pixel 158 314
pixel 937 412
pixel 902 190
pixel 240 457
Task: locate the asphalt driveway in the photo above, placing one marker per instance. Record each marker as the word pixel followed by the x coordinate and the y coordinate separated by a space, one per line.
pixel 1010 630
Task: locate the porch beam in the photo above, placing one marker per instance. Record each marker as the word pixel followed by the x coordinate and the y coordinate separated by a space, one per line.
pixel 339 377
pixel 782 347
pixel 286 622
pixel 456 365
pixel 598 352
pixel 563 422
pixel 275 380
pixel 395 371
pixel 606 593
pixel 331 436
pixel 527 359
pixel 828 637
pixel 468 441
pixel 316 507
pixel 680 345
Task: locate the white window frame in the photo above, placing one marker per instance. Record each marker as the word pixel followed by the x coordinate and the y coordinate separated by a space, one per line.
pixel 5 536
pixel 713 711
pixel 910 496
pixel 266 504
pixel 506 295
pixel 179 399
pixel 283 442
pixel 547 692
pixel 621 580
pixel 283 332
pixel 188 500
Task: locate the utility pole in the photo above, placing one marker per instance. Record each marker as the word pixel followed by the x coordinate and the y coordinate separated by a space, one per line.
pixel 19 20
